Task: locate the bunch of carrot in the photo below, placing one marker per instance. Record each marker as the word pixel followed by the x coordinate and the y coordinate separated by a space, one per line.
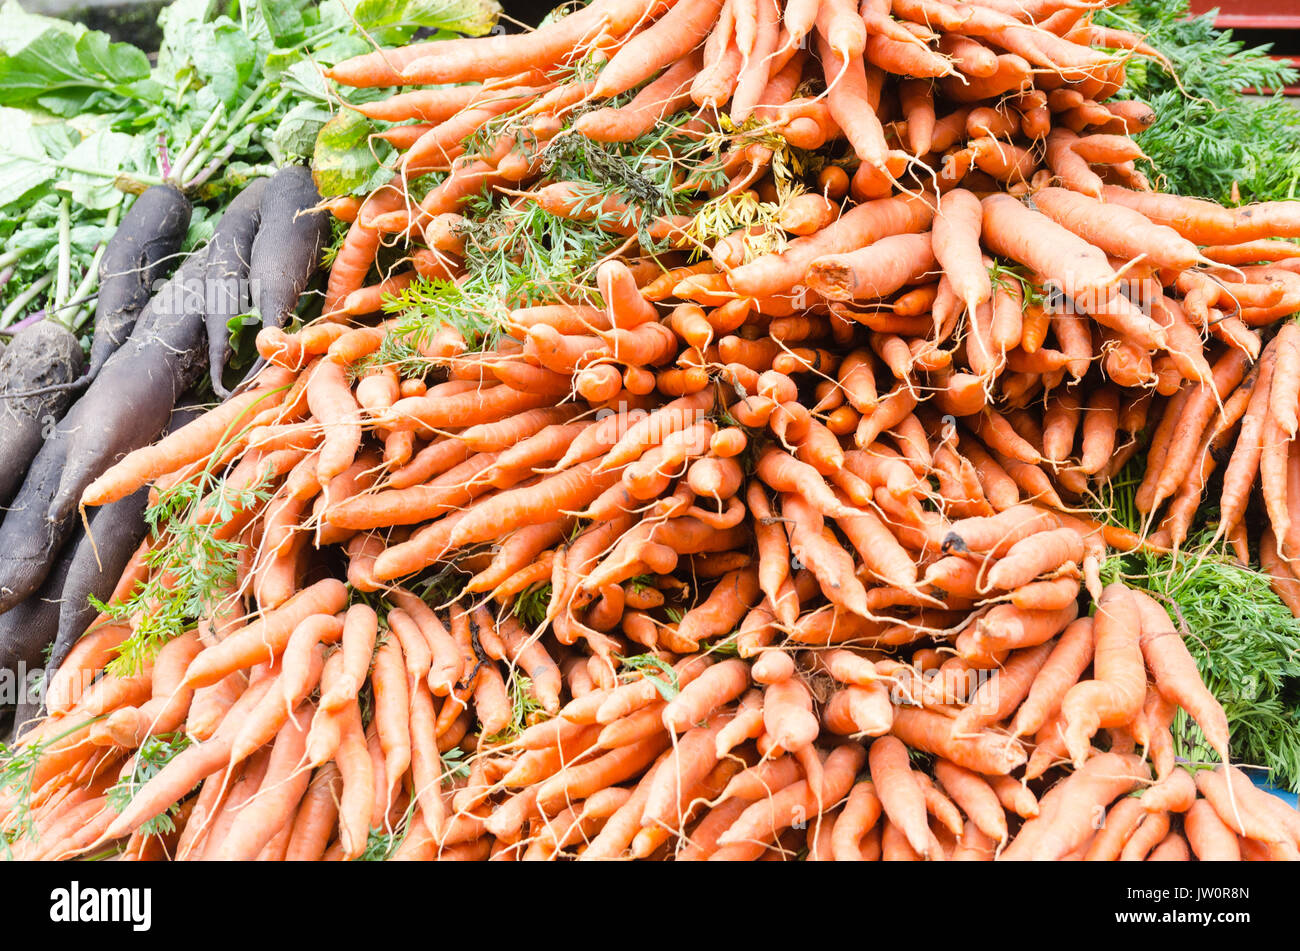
pixel 798 743
pixel 913 254
pixel 791 515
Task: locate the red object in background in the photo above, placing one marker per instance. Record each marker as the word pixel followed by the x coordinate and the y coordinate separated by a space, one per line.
pixel 1256 15
pixel 1252 14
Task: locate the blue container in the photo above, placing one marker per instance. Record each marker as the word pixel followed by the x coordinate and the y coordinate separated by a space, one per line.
pixel 1288 797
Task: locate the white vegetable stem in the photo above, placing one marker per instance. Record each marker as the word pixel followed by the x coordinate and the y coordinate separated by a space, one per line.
pixel 241 117
pixel 90 282
pixel 192 147
pixel 65 255
pixel 26 297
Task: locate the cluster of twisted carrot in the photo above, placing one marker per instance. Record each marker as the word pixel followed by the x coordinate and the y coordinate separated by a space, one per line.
pixel 802 513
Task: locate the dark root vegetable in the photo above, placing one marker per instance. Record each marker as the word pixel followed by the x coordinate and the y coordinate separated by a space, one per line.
pixel 42 357
pixel 286 251
pixel 229 253
pixel 140 253
pixel 28 629
pixel 101 555
pixel 127 406
pixel 115 532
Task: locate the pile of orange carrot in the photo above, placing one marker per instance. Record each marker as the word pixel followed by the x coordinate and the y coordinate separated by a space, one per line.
pixel 813 529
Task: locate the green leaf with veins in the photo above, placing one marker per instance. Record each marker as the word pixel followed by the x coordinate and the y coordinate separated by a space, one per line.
pixel 36 53
pixel 224 56
pixel 471 17
pixel 179 20
pixel 346 159
pixel 119 62
pixel 41 55
pixel 305 81
pixel 99 150
pixel 295 136
pixel 24 163
pixel 284 20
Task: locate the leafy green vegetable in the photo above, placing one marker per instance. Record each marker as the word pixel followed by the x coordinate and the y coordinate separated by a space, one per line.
pixel 346 160
pixel 284 21
pixel 237 89
pixel 472 17
pixel 1207 136
pixel 1246 645
pixel 103 148
pixel 25 163
pixel 60 65
pixel 295 137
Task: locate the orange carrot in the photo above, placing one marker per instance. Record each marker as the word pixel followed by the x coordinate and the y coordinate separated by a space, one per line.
pixel 283 787
pixel 1116 695
pixel 975 797
pixel 1069 657
pixel 685 25
pixel 768 817
pixel 1176 675
pixel 192 442
pixel 264 639
pixel 358 774
pixel 956 247
pixel 1210 838
pixel 313 826
pixel 901 795
pixel 1077 267
pixel 1065 822
pixel 985 752
pixel 712 689
pixel 788 716
pixel 770 275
